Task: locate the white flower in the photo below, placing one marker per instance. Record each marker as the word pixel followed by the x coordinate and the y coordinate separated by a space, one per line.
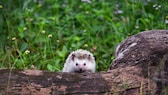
pixel 50 35
pixel 27 52
pixel 87 12
pixel 166 21
pixel 43 31
pixel 88 1
pixel 118 12
pixel 25 28
pixel 136 26
pixel 14 38
pixel 58 41
pixel 156 8
pixel 154 5
pixel 86 45
pixel 84 30
pixel 1 6
pixel 159 6
pixel 117 5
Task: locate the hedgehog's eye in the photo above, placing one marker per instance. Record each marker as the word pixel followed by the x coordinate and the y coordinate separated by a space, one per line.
pixel 84 64
pixel 76 64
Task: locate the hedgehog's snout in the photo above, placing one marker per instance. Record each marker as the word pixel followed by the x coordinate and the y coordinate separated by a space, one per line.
pixel 80 70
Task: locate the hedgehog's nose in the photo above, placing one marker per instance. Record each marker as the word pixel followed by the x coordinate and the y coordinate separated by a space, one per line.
pixel 80 70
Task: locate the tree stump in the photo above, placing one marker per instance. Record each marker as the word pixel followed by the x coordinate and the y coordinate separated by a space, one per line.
pixel 140 67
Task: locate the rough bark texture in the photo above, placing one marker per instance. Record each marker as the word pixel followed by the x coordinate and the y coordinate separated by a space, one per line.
pixel 149 51
pixel 121 81
pixel 140 67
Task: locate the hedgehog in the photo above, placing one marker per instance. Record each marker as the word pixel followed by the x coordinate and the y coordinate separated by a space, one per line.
pixel 80 61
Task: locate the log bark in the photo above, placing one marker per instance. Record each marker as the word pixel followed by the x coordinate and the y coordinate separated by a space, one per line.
pixel 140 67
pixel 147 50
pixel 121 81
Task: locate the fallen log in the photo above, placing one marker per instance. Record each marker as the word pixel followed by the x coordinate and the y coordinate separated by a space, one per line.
pixel 121 81
pixel 147 50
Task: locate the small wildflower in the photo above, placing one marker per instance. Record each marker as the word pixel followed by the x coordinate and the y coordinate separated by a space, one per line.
pixel 156 8
pixel 58 41
pixel 154 5
pixel 159 6
pixel 43 31
pixel 39 5
pixel 64 5
pixel 87 12
pixel 29 10
pixel 166 21
pixel 27 52
pixel 117 5
pixel 33 67
pixel 80 7
pixel 25 28
pixel 53 18
pixel 29 19
pixel 1 6
pixel 88 1
pixel 14 38
pixel 128 34
pixel 146 29
pixel 118 12
pixel 50 35
pixel 86 45
pixel 136 26
pixel 166 17
pixel 84 30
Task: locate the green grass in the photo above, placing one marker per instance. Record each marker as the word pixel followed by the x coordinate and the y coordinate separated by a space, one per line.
pixel 43 32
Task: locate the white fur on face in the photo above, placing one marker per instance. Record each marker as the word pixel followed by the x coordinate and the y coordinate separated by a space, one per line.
pixel 82 65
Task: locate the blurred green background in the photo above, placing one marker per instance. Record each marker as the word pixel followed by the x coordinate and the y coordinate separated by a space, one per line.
pixel 41 33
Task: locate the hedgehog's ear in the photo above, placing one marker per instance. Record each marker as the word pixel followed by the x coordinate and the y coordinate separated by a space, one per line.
pixel 73 57
pixel 89 57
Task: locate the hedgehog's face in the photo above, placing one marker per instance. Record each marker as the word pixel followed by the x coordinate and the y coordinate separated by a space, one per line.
pixel 80 65
pixel 83 64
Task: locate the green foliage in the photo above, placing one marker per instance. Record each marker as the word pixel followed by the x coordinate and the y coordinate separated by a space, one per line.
pixel 43 32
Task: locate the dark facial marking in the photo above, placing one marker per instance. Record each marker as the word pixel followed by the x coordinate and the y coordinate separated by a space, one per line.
pixel 77 64
pixel 79 71
pixel 73 57
pixel 89 57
